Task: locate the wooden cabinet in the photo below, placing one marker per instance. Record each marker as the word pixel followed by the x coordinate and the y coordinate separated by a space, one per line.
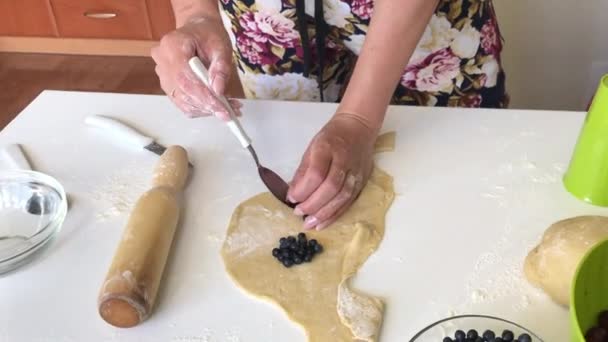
pixel 26 18
pixel 160 14
pixel 70 26
pixel 112 19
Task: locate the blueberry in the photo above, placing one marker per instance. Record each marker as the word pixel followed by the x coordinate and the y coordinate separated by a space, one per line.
pixel 291 239
pixel 460 336
pixel 308 258
pixel 472 334
pixel 301 236
pixel 312 242
pixel 287 262
pixel 603 319
pixel 297 260
pixel 524 338
pixel 596 334
pixel 282 240
pixel 498 339
pixel 508 336
pixel 488 335
pixel 281 258
pixel 447 339
pixel 276 252
pixel 286 253
pixel 478 339
pixel 318 248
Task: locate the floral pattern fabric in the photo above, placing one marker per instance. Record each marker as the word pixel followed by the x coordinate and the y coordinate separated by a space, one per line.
pixel 456 62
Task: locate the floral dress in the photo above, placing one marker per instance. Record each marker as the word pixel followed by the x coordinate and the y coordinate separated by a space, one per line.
pixel 306 50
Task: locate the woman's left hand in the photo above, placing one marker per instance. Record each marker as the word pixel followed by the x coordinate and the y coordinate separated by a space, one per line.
pixel 334 169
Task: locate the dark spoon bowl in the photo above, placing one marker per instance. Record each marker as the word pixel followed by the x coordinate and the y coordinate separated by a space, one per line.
pixel 275 184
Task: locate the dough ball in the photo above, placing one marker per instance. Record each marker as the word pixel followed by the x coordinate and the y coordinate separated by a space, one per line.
pixel 551 265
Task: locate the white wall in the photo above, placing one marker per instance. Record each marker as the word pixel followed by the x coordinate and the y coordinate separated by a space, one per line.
pixel 555 51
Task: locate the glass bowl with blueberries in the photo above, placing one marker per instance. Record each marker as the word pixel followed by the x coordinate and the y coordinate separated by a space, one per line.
pixel 475 328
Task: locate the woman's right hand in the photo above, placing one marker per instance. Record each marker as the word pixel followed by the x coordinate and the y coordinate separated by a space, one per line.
pixel 206 38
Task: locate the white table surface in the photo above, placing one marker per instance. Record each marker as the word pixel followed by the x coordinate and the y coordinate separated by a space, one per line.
pixel 475 190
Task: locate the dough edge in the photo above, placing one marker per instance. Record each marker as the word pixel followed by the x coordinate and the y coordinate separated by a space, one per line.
pixel 535 266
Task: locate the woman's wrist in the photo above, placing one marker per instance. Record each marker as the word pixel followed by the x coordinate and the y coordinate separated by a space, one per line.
pixel 382 59
pixel 187 10
pixel 371 116
pixel 368 122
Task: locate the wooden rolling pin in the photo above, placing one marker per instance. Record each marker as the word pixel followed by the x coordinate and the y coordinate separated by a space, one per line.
pixel 130 287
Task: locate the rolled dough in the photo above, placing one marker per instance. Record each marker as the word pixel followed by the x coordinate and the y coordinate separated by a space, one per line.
pixel 552 264
pixel 317 295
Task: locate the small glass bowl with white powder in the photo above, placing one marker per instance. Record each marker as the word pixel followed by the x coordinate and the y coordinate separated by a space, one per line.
pixel 33 207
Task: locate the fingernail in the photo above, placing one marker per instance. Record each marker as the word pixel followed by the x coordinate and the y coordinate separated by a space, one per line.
pixel 218 84
pixel 322 226
pixel 310 222
pixel 298 212
pixel 224 116
pixel 290 199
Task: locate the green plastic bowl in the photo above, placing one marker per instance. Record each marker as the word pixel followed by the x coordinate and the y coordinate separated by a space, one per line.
pixel 589 294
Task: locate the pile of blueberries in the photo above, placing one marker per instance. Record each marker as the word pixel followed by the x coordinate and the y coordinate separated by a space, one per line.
pixel 296 250
pixel 488 336
pixel 599 333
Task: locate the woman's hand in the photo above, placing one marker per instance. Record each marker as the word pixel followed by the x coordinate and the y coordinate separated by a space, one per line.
pixel 334 169
pixel 199 36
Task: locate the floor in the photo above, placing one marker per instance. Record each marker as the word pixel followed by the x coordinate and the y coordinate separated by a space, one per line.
pixel 24 76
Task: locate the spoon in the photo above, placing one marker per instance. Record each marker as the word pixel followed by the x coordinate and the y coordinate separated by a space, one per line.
pixel 275 184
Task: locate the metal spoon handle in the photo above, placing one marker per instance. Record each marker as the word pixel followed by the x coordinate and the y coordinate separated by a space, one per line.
pixel 234 125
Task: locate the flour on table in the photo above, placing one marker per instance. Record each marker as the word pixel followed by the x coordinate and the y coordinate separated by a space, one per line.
pixel 118 193
pixel 206 336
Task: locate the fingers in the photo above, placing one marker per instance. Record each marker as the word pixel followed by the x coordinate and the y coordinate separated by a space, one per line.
pixel 219 74
pixel 186 91
pixel 338 205
pixel 198 95
pixel 334 217
pixel 174 48
pixel 184 103
pixel 171 56
pixel 331 186
pixel 311 173
pixel 219 55
pixel 236 105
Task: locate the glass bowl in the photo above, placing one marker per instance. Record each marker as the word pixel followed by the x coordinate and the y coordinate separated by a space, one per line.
pixel 33 207
pixel 447 327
